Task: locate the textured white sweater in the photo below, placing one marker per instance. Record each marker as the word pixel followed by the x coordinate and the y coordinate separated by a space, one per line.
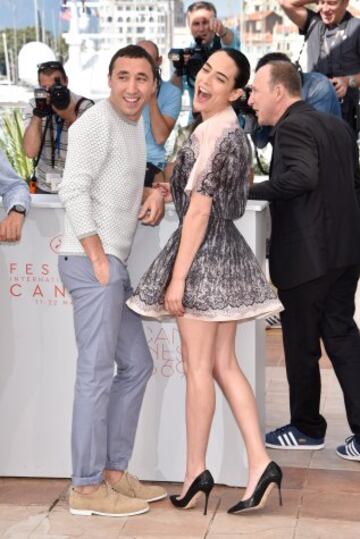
pixel 103 180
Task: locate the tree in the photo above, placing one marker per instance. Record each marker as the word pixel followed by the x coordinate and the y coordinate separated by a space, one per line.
pixel 11 143
pixel 23 36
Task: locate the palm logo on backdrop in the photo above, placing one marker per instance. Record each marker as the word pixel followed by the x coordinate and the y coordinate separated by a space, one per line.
pixel 55 243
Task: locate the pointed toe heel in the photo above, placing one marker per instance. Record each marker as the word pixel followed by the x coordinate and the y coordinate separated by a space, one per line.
pixel 271 477
pixel 203 483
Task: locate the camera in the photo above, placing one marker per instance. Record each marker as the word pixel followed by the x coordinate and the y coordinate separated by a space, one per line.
pixel 41 102
pixel 198 55
pixel 58 96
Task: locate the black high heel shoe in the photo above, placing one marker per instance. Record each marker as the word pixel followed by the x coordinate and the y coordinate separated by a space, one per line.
pixel 271 476
pixel 202 483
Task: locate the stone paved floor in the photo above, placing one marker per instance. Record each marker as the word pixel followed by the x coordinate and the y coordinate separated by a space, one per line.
pixel 321 491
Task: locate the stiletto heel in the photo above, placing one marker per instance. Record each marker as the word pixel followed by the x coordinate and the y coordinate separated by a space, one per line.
pixel 202 483
pixel 207 495
pixel 271 476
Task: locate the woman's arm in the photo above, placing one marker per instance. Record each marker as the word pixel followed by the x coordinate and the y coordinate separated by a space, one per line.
pixel 192 235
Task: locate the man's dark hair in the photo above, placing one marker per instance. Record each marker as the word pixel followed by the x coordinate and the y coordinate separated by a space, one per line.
pixel 48 68
pixel 271 57
pixel 133 51
pixel 285 73
pixel 195 6
pixel 242 64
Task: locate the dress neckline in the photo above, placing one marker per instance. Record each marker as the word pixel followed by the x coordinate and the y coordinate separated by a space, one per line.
pixel 228 112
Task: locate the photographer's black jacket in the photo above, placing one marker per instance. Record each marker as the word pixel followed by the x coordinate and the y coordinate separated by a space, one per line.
pixel 314 190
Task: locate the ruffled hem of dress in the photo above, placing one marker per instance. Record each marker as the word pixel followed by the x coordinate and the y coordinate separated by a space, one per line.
pixel 243 314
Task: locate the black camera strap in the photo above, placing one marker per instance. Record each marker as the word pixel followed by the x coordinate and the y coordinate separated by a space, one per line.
pixel 78 103
pixel 37 158
pixel 55 142
pixel 306 37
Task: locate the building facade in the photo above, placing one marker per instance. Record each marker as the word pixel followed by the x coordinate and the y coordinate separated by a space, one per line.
pixel 265 28
pixel 132 20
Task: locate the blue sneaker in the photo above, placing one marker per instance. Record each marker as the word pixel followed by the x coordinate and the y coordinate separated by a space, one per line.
pixel 289 437
pixel 350 450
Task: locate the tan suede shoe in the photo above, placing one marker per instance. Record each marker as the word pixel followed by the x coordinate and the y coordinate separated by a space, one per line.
pixel 129 485
pixel 105 501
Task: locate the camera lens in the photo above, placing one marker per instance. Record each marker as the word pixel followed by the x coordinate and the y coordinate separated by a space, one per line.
pixel 59 95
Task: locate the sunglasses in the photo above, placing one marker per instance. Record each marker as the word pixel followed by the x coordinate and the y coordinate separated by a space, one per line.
pixel 51 65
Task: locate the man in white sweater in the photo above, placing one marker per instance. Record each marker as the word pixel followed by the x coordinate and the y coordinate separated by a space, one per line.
pixel 102 190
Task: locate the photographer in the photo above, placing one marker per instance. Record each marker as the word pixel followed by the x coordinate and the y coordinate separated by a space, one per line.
pixel 159 117
pixel 333 37
pixel 209 35
pixel 47 119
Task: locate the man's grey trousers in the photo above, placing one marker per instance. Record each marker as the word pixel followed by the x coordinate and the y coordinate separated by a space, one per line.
pixel 106 407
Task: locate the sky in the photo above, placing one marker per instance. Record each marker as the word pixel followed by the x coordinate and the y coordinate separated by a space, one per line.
pixel 22 12
pixel 223 7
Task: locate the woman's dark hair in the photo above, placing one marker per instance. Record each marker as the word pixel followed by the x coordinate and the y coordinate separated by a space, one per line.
pixel 243 67
pixel 133 51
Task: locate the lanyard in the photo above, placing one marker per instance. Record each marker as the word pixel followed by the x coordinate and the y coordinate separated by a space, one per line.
pixel 55 142
pixel 59 127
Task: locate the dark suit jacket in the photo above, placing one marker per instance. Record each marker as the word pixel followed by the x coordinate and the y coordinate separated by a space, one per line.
pixel 314 191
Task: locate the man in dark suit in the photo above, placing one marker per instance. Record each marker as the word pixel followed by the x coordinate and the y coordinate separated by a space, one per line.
pixel 314 191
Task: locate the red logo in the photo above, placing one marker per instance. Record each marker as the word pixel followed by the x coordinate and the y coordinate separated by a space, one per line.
pixel 55 244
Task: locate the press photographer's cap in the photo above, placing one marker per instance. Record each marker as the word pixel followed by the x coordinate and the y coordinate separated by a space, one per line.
pixel 51 66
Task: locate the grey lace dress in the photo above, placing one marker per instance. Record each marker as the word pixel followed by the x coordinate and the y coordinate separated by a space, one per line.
pixel 225 281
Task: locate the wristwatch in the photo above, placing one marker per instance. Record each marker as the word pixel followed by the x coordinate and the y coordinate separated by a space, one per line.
pixel 353 82
pixel 18 208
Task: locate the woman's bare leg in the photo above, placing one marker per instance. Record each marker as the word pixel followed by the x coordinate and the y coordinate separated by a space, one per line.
pixel 197 343
pixel 240 396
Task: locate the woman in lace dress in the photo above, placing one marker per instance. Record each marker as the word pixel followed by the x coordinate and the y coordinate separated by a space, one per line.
pixel 207 276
